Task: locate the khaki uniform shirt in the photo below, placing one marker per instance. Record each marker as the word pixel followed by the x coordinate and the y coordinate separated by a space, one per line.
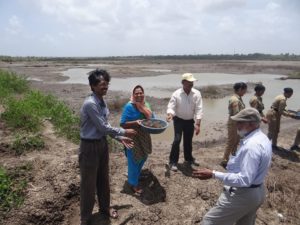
pixel 256 102
pixel 279 105
pixel 235 105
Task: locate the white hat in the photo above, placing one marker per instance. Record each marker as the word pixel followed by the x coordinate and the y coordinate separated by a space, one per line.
pixel 189 77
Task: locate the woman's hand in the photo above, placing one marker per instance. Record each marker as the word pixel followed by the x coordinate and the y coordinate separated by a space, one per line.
pixel 140 106
pixel 143 109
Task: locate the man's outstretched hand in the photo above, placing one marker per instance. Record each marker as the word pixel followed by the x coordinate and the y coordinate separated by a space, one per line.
pixel 127 142
pixel 203 174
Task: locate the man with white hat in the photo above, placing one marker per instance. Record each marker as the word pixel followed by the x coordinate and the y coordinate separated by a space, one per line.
pixel 243 191
pixel 185 108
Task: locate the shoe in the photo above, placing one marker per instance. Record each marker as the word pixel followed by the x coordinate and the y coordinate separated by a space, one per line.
pixel 224 164
pixel 111 213
pixel 295 147
pixel 192 163
pixel 173 167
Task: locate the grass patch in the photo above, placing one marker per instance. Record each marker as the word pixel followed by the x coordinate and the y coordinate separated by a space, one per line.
pixel 295 75
pixel 10 83
pixel 26 142
pixel 66 123
pixel 13 184
pixel 20 114
pixel 27 113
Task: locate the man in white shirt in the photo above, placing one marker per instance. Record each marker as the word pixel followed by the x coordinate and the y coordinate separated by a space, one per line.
pixel 185 108
pixel 243 191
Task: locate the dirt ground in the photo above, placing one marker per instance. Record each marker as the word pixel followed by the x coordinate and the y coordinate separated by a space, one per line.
pixel 169 197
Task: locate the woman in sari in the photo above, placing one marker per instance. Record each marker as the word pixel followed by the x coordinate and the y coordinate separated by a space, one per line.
pixel 133 113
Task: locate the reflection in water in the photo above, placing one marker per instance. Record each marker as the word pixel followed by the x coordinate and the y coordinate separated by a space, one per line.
pixel 215 110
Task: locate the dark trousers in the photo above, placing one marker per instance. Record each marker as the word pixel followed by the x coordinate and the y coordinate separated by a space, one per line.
pixel 185 127
pixel 94 177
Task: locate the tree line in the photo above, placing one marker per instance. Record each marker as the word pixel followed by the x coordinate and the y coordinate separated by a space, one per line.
pixel 252 56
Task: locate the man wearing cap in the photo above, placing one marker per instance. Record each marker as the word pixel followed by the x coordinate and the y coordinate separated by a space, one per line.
pixel 274 114
pixel 185 108
pixel 243 191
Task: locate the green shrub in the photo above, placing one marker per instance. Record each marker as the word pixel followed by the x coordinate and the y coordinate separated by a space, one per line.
pixel 12 187
pixel 28 112
pixel 20 114
pixel 10 83
pixel 25 142
pixel 294 75
pixel 65 122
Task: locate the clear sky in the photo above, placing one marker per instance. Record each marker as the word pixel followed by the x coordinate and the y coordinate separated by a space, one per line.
pixel 148 27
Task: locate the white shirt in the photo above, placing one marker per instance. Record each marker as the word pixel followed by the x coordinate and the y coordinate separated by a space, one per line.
pixel 251 162
pixel 185 106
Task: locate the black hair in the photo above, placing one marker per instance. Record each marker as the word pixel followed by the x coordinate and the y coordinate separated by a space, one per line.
pixel 95 76
pixel 239 85
pixel 259 87
pixel 288 90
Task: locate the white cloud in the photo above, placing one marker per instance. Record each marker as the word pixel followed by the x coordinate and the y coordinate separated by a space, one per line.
pixel 131 16
pixel 272 6
pixel 221 5
pixel 67 36
pixel 226 24
pixel 49 39
pixel 130 27
pixel 14 25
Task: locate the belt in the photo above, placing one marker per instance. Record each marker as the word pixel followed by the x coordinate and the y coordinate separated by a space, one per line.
pixel 254 185
pixel 274 109
pixel 233 189
pixel 90 140
pixel 178 118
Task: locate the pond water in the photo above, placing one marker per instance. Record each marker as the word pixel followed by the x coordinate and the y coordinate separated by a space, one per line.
pixel 215 110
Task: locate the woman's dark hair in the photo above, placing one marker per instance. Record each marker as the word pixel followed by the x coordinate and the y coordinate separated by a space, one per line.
pixel 288 90
pixel 239 85
pixel 136 87
pixel 97 75
pixel 259 87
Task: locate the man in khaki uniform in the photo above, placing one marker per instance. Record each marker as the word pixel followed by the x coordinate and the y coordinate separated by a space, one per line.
pixel 274 114
pixel 235 105
pixel 256 101
pixel 295 146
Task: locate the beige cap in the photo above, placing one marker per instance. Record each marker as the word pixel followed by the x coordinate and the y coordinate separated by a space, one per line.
pixel 189 77
pixel 247 115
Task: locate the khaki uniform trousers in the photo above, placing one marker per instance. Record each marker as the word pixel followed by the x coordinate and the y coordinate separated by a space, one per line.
pixel 232 140
pixel 274 125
